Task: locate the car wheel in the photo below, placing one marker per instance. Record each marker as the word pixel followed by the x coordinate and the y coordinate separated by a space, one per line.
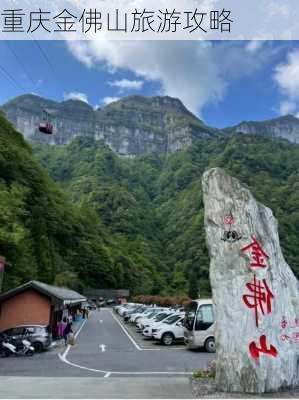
pixel 167 339
pixel 38 347
pixel 210 346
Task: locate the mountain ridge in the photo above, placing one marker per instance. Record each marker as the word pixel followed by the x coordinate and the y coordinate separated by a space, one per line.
pixel 133 125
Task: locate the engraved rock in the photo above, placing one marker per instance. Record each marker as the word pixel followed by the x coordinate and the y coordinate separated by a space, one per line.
pixel 255 292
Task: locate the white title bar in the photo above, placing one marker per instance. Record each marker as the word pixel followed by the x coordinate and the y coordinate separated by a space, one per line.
pixel 149 20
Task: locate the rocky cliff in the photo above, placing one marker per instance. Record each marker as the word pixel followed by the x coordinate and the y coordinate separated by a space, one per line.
pixel 286 127
pixel 132 126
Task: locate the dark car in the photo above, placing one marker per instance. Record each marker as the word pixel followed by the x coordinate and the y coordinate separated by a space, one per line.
pixel 39 335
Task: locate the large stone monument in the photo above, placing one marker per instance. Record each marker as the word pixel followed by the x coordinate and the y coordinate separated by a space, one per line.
pixel 255 293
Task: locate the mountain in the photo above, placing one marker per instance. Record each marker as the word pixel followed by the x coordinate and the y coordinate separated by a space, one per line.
pixel 286 127
pixel 44 235
pixel 132 126
pixel 80 214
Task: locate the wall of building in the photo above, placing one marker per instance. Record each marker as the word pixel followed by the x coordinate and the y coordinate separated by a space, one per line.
pixel 29 307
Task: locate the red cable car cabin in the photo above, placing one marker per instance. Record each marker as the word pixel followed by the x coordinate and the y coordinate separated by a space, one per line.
pixel 46 127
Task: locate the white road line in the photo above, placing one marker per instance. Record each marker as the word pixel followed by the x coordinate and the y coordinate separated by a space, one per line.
pixel 76 335
pixel 125 331
pixel 135 343
pixel 63 358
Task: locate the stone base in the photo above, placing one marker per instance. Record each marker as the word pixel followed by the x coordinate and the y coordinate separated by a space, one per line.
pixel 206 388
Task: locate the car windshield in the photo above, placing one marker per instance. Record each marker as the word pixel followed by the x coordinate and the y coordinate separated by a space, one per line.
pixel 160 317
pixel 151 315
pixel 172 319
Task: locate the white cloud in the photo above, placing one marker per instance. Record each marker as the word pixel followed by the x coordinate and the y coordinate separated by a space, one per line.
pixel 126 84
pixel 287 107
pixel 75 96
pixel 254 45
pixel 108 100
pixel 286 75
pixel 196 72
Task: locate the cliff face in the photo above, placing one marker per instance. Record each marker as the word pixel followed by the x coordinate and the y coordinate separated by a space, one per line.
pixel 132 126
pixel 286 127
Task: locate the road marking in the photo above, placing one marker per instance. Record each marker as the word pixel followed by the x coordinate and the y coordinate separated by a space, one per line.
pixel 125 331
pixel 108 373
pixel 137 345
pixel 63 358
pixel 102 347
pixel 76 335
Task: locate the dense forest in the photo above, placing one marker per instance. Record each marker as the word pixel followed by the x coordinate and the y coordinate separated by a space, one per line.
pixel 81 216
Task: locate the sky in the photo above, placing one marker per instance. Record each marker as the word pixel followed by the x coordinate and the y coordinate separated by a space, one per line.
pixel 223 83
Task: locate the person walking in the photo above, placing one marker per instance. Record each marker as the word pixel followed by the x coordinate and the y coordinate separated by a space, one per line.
pixel 68 329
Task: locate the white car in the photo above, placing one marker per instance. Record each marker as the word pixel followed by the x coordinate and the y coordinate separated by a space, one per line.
pixel 144 322
pixel 125 307
pixel 147 330
pixel 146 313
pixel 170 331
pixel 155 311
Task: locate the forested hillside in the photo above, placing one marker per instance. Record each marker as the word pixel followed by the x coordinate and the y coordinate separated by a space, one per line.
pixel 154 203
pixel 100 220
pixel 45 236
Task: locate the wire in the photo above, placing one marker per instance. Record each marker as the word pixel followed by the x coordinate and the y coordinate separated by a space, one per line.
pixel 11 79
pixel 49 63
pixel 20 62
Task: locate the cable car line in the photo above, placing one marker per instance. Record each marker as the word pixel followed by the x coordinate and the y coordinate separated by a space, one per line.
pixel 11 79
pixel 20 62
pixel 49 63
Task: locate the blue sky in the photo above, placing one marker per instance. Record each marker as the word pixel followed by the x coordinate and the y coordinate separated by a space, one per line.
pixel 223 83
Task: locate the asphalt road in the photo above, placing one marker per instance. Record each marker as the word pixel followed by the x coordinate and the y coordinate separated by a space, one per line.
pixel 105 349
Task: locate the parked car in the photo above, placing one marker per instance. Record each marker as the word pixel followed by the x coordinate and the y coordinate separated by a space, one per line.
pixel 127 314
pixel 145 321
pixel 170 331
pixel 90 305
pixel 125 307
pixel 110 302
pixel 149 311
pixel 150 325
pixel 38 335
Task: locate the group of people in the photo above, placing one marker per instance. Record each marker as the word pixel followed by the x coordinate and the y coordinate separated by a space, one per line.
pixel 65 326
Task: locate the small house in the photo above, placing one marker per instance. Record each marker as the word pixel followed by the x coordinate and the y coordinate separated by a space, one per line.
pixel 37 303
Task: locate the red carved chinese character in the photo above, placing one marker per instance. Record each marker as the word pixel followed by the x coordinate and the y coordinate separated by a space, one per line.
pixel 283 323
pixel 255 351
pixel 257 254
pixel 261 295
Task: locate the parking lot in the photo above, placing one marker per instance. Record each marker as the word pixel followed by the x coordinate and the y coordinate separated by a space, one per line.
pixel 107 348
pixel 146 343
